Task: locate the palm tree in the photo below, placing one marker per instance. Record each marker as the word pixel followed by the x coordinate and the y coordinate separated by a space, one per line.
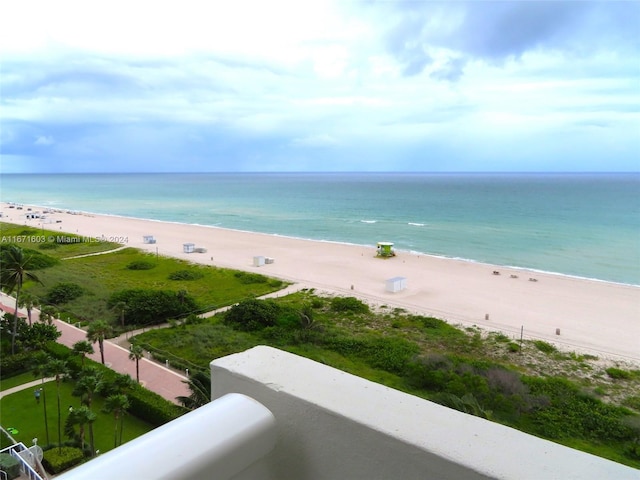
pixel 117 404
pixel 200 385
pixel 42 370
pixel 58 369
pixel 15 270
pixel 122 384
pixel 28 301
pixel 81 416
pixel 90 382
pixel 83 348
pixel 136 353
pixel 47 314
pixel 97 332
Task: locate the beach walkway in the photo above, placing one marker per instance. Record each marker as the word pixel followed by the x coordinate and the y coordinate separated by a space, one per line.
pixel 34 384
pixel 153 376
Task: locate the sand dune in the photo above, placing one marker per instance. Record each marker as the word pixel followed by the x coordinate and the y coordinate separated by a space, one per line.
pixel 590 316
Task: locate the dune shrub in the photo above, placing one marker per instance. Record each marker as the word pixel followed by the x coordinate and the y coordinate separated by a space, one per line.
pixel 348 304
pixel 186 275
pixel 141 265
pixel 253 314
pixel 64 292
pixel 153 306
pixel 248 278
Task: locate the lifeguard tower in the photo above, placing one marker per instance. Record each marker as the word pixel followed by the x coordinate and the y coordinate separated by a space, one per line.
pixel 385 250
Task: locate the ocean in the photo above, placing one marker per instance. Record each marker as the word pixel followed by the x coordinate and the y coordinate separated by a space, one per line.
pixel 584 225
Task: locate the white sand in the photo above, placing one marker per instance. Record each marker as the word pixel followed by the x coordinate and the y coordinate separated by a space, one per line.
pixel 592 316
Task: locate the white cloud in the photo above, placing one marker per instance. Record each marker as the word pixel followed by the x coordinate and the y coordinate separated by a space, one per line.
pixel 44 141
pixel 391 80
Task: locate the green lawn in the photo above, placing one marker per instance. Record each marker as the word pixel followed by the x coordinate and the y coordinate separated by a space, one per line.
pixel 20 411
pixel 7 383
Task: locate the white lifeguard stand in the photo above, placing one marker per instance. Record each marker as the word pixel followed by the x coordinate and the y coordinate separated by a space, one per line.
pixel 396 284
pixel 258 261
pixel 188 247
pixel 148 239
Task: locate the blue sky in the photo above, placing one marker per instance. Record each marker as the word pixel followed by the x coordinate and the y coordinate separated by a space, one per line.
pixel 342 85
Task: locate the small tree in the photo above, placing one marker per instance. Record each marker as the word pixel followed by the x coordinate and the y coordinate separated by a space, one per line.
pixel 15 271
pixel 28 301
pixel 117 404
pixel 97 332
pixel 136 353
pixel 82 348
pixel 90 382
pixel 58 368
pixel 81 416
pixel 48 313
pixel 122 384
pixel 42 370
pixel 200 386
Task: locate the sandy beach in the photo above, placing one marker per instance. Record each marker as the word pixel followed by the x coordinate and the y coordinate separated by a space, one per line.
pixel 576 314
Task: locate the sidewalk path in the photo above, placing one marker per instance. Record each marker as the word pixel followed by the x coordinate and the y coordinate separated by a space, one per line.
pixel 24 386
pixel 157 378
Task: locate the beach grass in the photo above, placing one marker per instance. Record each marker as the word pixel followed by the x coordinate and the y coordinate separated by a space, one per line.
pixel 393 347
pixel 57 244
pixel 100 276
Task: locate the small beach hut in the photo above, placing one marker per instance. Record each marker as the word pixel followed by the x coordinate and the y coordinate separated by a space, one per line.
pixel 148 239
pixel 258 261
pixel 188 247
pixel 396 284
pixel 385 249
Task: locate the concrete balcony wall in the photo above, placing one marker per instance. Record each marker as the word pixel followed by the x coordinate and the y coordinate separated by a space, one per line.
pixel 333 425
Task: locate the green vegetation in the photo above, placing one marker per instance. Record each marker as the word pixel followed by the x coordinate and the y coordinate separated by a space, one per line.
pixel 620 374
pixel 141 265
pixel 21 411
pixel 64 292
pixel 193 274
pixel 58 460
pixel 528 385
pixel 424 356
pixel 147 307
pixel 102 276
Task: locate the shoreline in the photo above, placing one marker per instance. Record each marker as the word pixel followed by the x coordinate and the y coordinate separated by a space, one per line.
pixel 4 205
pixel 575 313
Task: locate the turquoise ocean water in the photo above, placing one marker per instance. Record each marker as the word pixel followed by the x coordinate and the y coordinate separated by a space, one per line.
pixel 585 225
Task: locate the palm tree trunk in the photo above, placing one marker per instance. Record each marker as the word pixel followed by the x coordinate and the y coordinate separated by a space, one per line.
pixel 91 441
pixel 44 404
pixel 115 432
pixel 15 320
pixel 121 428
pixel 59 419
pixel 81 434
pixel 138 370
pixel 101 345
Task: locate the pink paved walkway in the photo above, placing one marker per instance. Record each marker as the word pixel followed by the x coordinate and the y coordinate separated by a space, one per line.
pixel 155 377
